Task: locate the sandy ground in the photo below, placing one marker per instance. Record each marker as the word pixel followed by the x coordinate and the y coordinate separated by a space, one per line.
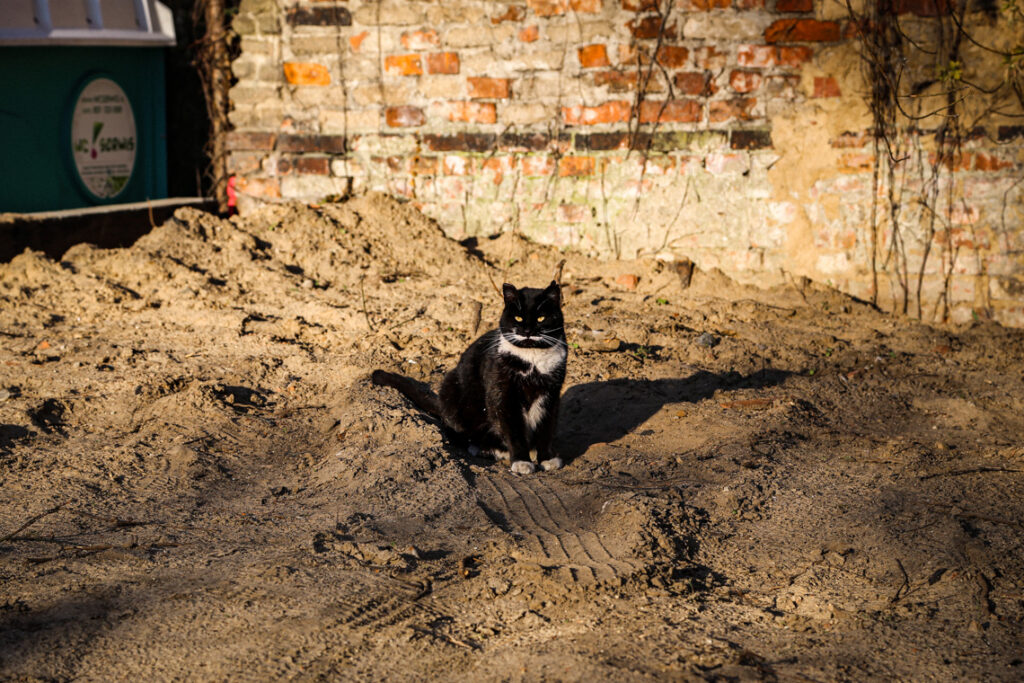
pixel 197 480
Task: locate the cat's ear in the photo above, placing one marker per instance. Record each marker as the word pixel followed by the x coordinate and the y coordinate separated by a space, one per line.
pixel 510 294
pixel 554 292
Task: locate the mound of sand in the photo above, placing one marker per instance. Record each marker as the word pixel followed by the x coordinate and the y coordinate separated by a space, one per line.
pixel 197 480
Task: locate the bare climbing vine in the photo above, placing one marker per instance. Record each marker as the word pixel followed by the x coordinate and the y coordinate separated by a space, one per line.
pixel 213 52
pixel 931 88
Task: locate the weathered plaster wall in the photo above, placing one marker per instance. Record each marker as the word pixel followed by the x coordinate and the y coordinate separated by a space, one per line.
pixel 730 132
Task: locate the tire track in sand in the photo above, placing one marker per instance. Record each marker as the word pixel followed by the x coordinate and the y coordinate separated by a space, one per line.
pixel 536 510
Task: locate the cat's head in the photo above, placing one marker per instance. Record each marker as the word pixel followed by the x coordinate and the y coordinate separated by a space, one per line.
pixel 532 317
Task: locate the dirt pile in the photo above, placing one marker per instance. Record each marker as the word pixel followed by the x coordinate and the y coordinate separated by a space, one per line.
pixel 197 479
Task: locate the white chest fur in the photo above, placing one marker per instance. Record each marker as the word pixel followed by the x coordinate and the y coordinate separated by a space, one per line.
pixel 535 413
pixel 544 360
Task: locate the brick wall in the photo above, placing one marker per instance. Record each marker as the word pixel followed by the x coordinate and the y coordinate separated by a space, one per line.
pixel 730 132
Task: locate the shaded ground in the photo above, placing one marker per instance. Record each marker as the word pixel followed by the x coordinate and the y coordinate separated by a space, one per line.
pixel 197 480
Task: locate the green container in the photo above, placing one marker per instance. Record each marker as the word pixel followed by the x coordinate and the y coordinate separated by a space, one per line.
pixel 114 98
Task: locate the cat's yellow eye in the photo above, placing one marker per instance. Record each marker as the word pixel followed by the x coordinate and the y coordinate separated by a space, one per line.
pixel 540 319
pixel 518 319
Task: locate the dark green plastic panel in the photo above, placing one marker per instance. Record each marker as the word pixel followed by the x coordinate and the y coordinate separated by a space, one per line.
pixel 37 90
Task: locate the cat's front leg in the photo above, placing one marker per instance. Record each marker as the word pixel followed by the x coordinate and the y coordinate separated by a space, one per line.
pixel 544 438
pixel 513 434
pixel 506 420
pixel 519 457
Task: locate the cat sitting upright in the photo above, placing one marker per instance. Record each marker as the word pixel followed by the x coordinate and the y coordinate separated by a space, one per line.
pixel 503 394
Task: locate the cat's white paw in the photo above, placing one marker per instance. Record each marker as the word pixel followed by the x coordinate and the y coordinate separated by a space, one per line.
pixel 500 455
pixel 551 464
pixel 523 467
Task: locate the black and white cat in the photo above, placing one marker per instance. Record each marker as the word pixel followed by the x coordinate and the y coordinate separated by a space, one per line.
pixel 504 393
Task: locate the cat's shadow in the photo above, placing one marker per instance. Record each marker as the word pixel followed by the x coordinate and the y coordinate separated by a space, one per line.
pixel 604 411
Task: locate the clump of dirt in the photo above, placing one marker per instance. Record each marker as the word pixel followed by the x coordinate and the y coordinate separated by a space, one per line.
pixel 760 484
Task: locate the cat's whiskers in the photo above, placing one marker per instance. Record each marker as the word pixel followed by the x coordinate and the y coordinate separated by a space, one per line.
pixel 554 341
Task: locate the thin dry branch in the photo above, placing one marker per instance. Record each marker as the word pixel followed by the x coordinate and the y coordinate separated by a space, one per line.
pixel 30 522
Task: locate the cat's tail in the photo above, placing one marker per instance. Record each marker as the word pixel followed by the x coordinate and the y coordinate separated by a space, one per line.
pixel 417 392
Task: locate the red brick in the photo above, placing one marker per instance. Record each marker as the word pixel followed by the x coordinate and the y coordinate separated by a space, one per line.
pixel 802 31
pixel 394 163
pixel 671 111
pixel 529 34
pixel 258 187
pixel 988 162
pixel 497 167
pixel 756 55
pixel 525 142
pixel 744 81
pixel 609 112
pixel 605 142
pixel 356 41
pixel 856 29
pixel 403 65
pixel 404 117
pixel 317 16
pixel 314 165
pixel 709 57
pixel 457 165
pixel 673 56
pixel 648 27
pixel 443 63
pixel 460 142
pixel 794 5
pixel 593 56
pixel 538 165
pixel 500 163
pixel 826 87
pixel 306 142
pixel 548 8
pixel 639 5
pixel 794 55
pixel 576 166
pixel 695 83
pixel 420 165
pixel 737 108
pixel 706 5
pixel 420 40
pixel 488 88
pixel 513 13
pixel 617 81
pixel 472 112
pixel 923 8
pixel 305 73
pixel 750 4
